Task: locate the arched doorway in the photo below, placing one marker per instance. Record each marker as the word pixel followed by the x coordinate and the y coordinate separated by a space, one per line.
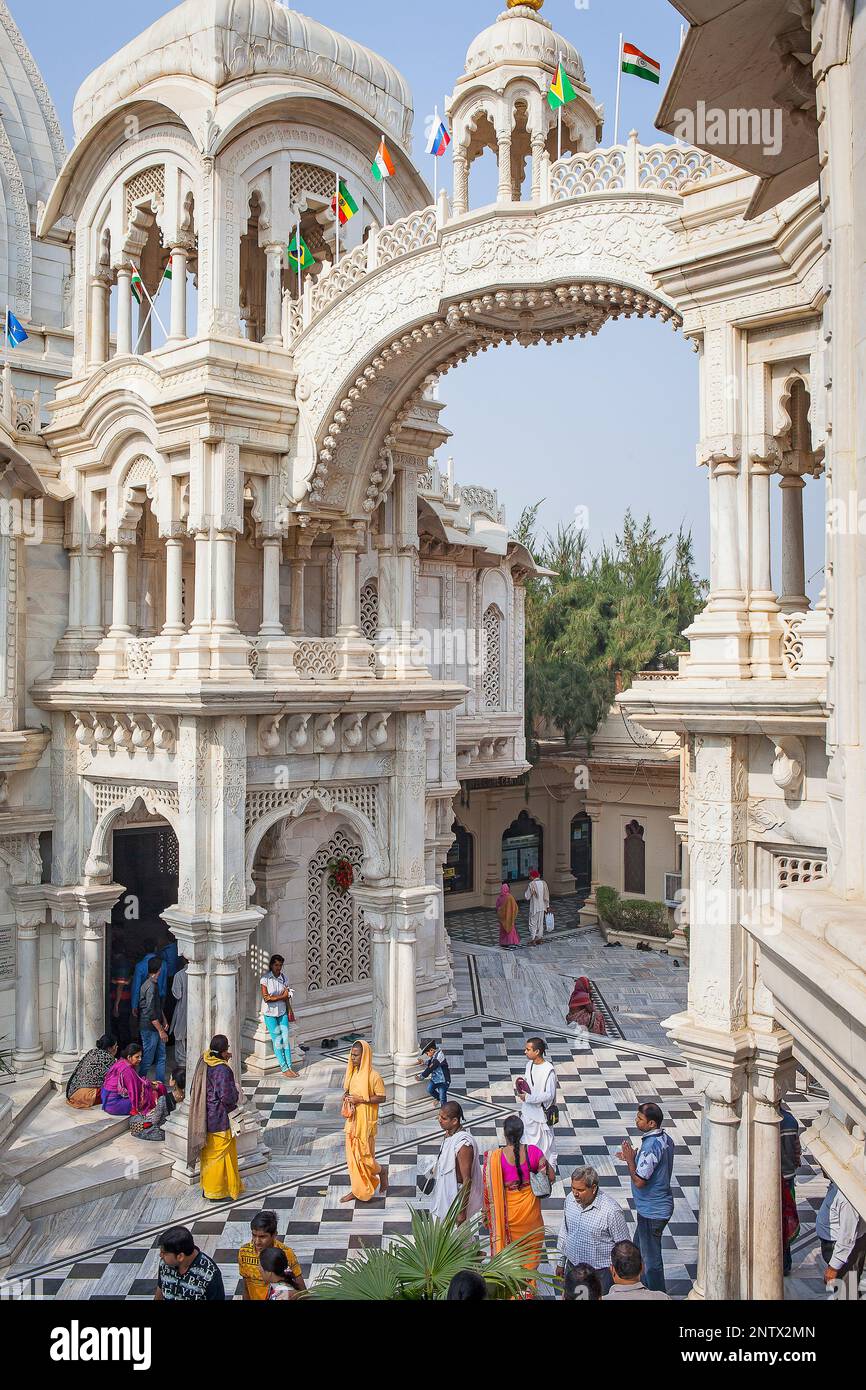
pixel 145 860
pixel 522 849
pixel 458 875
pixel 581 853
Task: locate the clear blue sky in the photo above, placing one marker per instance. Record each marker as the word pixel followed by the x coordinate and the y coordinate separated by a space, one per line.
pixel 606 423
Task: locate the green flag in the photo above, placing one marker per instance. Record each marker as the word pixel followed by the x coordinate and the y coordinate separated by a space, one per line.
pixel 303 260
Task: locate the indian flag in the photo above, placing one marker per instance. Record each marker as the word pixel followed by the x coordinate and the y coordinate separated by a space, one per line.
pixel 303 260
pixel 561 91
pixel 166 274
pixel 639 65
pixel 383 164
pixel 347 205
pixel 136 286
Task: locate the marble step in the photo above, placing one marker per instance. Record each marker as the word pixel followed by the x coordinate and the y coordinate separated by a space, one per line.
pixel 42 1092
pixel 31 1160
pixel 122 1164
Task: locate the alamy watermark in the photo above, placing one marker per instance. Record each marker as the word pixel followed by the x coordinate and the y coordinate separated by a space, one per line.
pixel 712 125
pixel 22 519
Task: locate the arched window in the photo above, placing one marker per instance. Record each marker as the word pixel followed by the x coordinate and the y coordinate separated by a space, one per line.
pixel 491 676
pixel 458 874
pixel 522 849
pixel 581 852
pixel 338 938
pixel 634 858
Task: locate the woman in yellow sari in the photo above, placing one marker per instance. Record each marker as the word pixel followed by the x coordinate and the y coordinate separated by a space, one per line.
pixel 213 1097
pixel 363 1092
pixel 512 1210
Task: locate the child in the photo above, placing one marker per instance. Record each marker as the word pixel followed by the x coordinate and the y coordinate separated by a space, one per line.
pixel 439 1072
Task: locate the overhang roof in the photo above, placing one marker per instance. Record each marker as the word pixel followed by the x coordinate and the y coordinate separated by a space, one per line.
pixel 748 56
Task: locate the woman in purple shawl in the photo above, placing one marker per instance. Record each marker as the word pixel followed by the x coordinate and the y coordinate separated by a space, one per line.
pixel 124 1092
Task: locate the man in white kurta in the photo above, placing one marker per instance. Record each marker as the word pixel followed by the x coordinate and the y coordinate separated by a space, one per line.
pixel 457 1143
pixel 538 897
pixel 542 1083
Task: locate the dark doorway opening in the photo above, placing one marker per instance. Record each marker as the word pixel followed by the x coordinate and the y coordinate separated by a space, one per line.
pixel 145 861
pixel 457 875
pixel 522 849
pixel 581 854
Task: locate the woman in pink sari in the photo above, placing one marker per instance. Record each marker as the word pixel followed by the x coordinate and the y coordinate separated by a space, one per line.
pixel 124 1092
pixel 506 911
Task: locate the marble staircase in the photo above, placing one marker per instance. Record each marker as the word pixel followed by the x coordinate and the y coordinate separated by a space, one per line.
pixel 64 1158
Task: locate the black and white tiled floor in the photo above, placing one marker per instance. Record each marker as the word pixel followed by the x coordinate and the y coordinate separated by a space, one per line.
pixel 600 1085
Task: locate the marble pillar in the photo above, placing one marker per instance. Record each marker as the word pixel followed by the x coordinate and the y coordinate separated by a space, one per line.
pixel 124 311
pixel 793 598
pixel 177 322
pixel 30 914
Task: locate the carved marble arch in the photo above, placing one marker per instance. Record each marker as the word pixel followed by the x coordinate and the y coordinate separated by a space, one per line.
pixel 313 801
pixel 793 424
pixel 159 802
pixel 135 483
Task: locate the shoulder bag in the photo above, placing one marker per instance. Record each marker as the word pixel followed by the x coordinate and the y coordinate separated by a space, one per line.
pixel 539 1181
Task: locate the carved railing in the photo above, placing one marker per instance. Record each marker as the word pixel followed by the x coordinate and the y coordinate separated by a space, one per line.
pixel 632 168
pixel 410 233
pixel 139 654
pixel 333 282
pixel 316 659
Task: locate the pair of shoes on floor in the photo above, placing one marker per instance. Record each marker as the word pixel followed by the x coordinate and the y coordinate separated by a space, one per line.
pixel 611 945
pixel 328 1043
pixel 643 946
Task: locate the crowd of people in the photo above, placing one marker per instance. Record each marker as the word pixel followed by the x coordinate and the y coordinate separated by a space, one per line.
pixel 599 1253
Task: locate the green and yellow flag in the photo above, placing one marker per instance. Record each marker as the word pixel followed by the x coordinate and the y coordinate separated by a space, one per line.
pixel 561 91
pixel 347 205
pixel 303 259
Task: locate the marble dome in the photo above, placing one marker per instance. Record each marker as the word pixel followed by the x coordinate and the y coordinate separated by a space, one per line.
pixel 521 35
pixel 220 42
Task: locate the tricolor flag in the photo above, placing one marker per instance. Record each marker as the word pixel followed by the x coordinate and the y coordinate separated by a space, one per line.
pixel 561 91
pixel 136 286
pixel 303 260
pixel 383 165
pixel 639 65
pixel 15 334
pixel 439 138
pixel 166 274
pixel 348 207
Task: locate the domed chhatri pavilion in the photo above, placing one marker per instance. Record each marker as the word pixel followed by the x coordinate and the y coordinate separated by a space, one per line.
pixel 250 628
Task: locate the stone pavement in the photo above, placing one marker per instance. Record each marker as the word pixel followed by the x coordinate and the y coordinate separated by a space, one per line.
pixel 108 1250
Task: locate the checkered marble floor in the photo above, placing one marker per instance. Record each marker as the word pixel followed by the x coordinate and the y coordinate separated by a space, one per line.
pixel 600 1084
pixel 479 925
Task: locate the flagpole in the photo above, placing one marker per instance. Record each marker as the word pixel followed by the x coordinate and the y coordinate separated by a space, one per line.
pixel 384 195
pixel 618 86
pixel 337 209
pixel 300 255
pixel 151 311
pixel 436 161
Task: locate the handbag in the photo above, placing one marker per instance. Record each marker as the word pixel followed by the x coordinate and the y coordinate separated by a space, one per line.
pixel 548 921
pixel 347 1109
pixel 540 1183
pixel 426 1182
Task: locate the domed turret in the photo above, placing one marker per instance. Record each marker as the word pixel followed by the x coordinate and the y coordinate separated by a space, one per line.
pixel 499 102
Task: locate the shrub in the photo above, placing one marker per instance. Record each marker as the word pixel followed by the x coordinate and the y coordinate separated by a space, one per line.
pixel 606 900
pixel 632 914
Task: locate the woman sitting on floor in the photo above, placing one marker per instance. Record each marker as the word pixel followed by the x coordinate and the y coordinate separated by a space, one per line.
pixel 84 1087
pixel 124 1092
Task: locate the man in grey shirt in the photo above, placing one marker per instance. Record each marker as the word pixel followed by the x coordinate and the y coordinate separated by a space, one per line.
pixel 626 1268
pixel 151 1021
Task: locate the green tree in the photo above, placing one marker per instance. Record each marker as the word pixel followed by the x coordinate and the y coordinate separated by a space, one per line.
pixel 619 610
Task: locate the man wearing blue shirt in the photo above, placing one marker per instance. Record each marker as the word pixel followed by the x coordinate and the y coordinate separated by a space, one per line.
pixel 140 975
pixel 651 1170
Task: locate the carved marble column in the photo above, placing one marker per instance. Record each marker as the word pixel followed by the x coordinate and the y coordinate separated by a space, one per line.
pixel 273 295
pixel 271 553
pixel 763 607
pixel 504 189
pixel 100 295
pixel 793 598
pixel 120 592
pixel 460 166
pixel 177 322
pixel 30 914
pixel 124 311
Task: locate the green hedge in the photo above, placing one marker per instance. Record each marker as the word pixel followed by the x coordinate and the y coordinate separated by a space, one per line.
pixel 632 914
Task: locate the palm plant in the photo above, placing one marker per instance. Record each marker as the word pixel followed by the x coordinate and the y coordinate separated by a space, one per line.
pixel 422 1264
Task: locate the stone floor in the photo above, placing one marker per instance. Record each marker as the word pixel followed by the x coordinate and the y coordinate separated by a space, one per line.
pixel 108 1250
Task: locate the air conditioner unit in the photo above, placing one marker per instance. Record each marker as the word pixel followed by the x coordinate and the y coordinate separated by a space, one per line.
pixel 673 886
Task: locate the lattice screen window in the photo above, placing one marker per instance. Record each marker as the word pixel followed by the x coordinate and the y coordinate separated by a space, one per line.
pixel 370 609
pixel 149 183
pixel 309 178
pixel 491 680
pixel 800 868
pixel 338 938
pixel 167 861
